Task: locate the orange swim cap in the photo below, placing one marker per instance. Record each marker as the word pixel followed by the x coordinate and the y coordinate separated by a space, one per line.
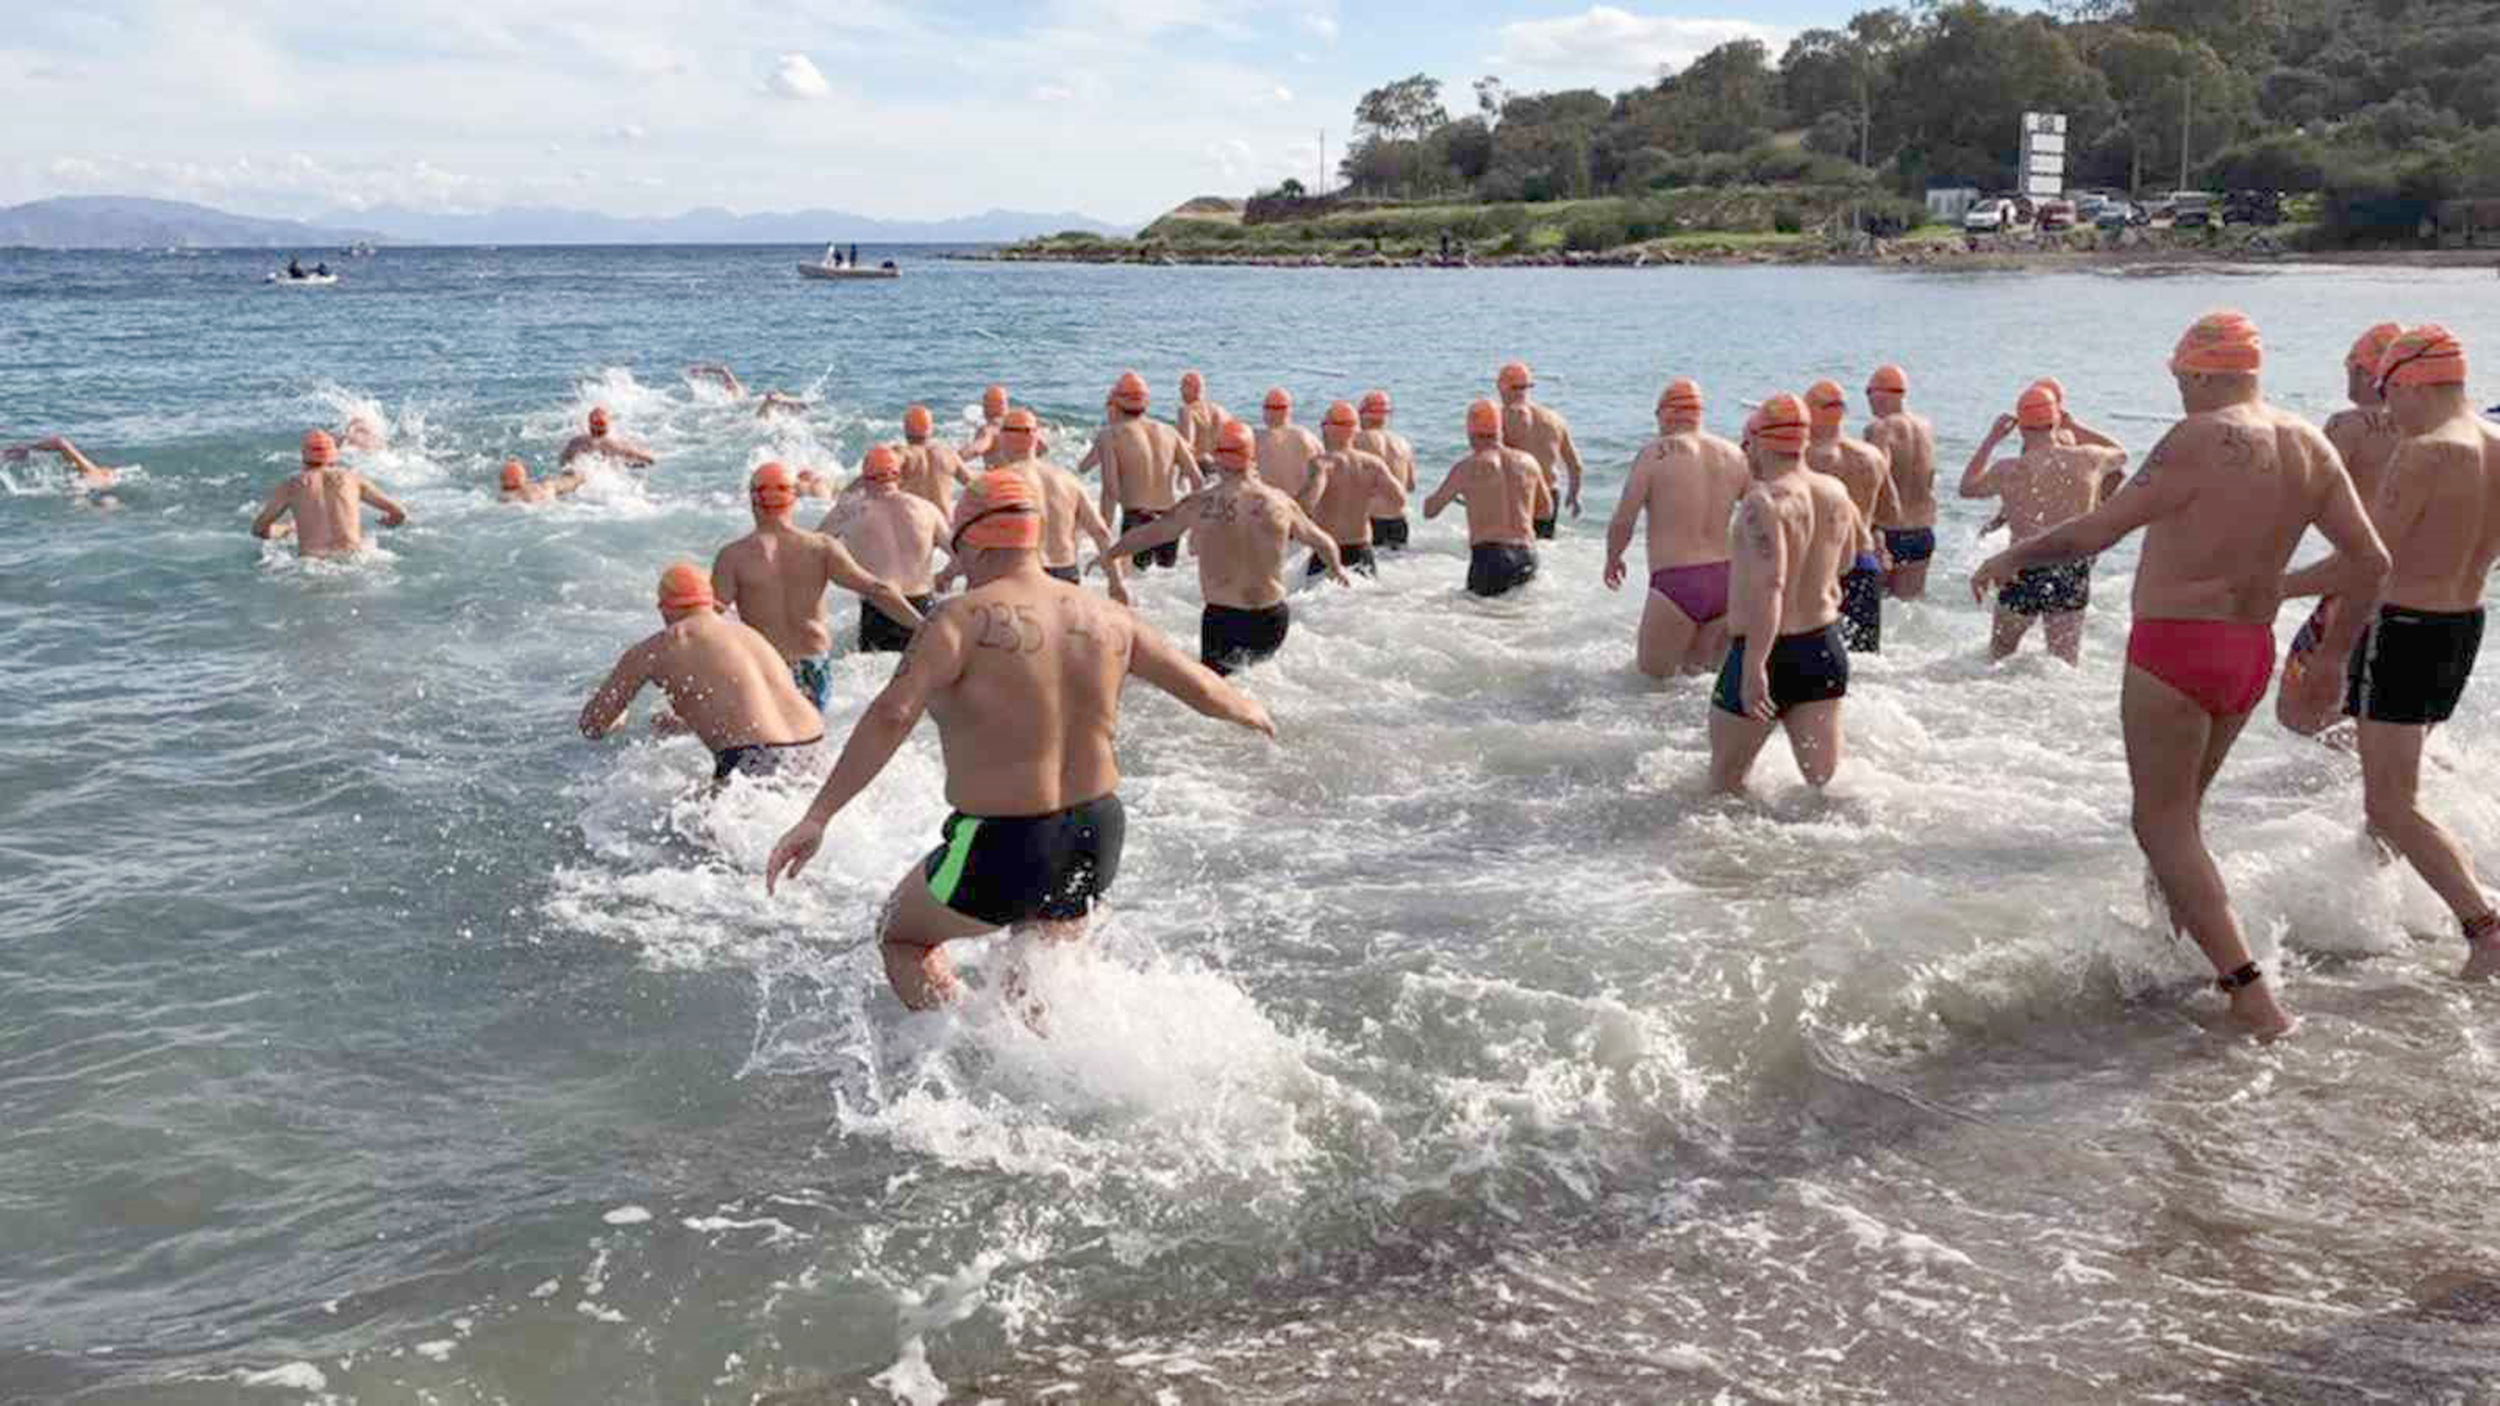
pixel 1019 421
pixel 1235 445
pixel 2371 348
pixel 1376 405
pixel 882 465
pixel 1515 376
pixel 2056 389
pixel 1828 403
pixel 1780 425
pixel 994 401
pixel 515 473
pixel 772 488
pixel 2220 343
pixel 1889 379
pixel 598 419
pixel 997 510
pixel 2428 355
pixel 1340 412
pixel 1278 398
pixel 1129 393
pixel 1193 385
pixel 2037 409
pixel 320 451
pixel 684 589
pixel 1682 401
pixel 1484 420
pixel 917 423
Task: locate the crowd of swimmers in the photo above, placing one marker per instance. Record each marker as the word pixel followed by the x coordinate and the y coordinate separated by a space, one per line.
pixel 1770 560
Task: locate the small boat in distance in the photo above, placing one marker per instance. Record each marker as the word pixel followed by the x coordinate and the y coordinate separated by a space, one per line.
pixel 833 265
pixel 310 280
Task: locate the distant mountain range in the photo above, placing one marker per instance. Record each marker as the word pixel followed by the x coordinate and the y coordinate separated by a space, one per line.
pixel 131 222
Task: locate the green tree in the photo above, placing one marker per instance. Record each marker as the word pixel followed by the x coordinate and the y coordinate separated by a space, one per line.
pixel 1410 107
pixel 1965 84
pixel 2175 97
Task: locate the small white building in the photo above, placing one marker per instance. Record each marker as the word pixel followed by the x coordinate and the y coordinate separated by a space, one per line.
pixel 1949 204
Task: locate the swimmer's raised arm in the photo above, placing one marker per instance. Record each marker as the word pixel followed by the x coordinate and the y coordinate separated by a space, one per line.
pixel 1979 476
pixel 1153 658
pixel 616 693
pixel 2084 434
pixel 935 660
pixel 2163 486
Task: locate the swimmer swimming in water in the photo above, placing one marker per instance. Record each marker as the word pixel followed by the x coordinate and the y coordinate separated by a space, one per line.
pixel 90 474
pixel 1505 493
pixel 325 502
pixel 518 487
pixel 1024 675
pixel 725 682
pixel 597 441
pixel 2223 499
pixel 1687 482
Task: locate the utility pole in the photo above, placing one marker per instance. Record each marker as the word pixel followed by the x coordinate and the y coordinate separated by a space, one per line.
pixel 2187 95
pixel 1322 187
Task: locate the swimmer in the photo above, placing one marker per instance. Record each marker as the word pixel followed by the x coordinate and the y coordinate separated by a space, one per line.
pixel 518 488
pixel 814 485
pixel 718 375
pixel 1506 493
pixel 1142 462
pixel 725 682
pixel 781 403
pixel 599 442
pixel 1354 490
pixel 1687 481
pixel 326 503
pixel 1198 418
pixel 2365 434
pixel 2439 509
pixel 364 434
pixel 1909 445
pixel 931 470
pixel 1388 533
pixel 775 578
pixel 1285 448
pixel 2046 484
pixel 1866 472
pixel 1241 527
pixel 1543 434
pixel 1788 658
pixel 2223 498
pixel 91 475
pixel 984 442
pixel 1066 509
pixel 893 535
pixel 1024 676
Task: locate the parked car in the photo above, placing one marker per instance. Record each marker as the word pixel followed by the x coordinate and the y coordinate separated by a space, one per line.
pixel 2119 214
pixel 2088 207
pixel 2056 215
pixel 1988 216
pixel 2253 207
pixel 2193 209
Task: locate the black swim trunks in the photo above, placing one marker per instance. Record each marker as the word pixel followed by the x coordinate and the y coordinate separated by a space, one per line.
pixel 2047 590
pixel 1812 667
pixel 881 635
pixel 2411 666
pixel 1355 559
pixel 1064 573
pixel 1230 638
pixel 1909 545
pixel 762 759
pixel 1862 606
pixel 1169 554
pixel 1545 528
pixel 1498 568
pixel 1389 533
pixel 1018 868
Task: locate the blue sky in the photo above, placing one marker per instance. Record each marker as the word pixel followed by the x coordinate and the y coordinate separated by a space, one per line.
pixel 1117 108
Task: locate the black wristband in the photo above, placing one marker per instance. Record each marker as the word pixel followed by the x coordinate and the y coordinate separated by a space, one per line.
pixel 2248 975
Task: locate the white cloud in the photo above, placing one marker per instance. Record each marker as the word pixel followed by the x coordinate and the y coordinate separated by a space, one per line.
pixel 1325 26
pixel 1052 93
pixel 1281 93
pixel 629 132
pixel 1233 158
pixel 1605 42
pixel 796 77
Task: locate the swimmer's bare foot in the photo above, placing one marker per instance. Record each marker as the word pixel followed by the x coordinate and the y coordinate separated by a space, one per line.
pixel 2482 949
pixel 2253 1007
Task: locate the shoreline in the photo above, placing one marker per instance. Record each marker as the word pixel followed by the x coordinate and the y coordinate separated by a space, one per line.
pixel 1916 255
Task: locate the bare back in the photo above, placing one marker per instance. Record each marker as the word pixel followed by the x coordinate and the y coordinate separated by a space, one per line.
pixel 1817 527
pixel 1140 462
pixel 1688 484
pixel 728 683
pixel 2051 484
pixel 894 535
pixel 1065 506
pixel 2244 483
pixel 930 470
pixel 1506 491
pixel 2365 436
pixel 328 507
pixel 1859 467
pixel 2439 508
pixel 1197 421
pixel 1909 444
pixel 1537 430
pixel 1357 487
pixel 1393 450
pixel 776 579
pixel 1028 722
pixel 1285 453
pixel 1240 526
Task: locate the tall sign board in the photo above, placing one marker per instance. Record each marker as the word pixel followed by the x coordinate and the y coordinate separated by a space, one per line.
pixel 2042 174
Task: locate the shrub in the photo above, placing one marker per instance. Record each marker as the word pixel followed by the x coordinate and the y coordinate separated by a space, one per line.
pixel 1788 219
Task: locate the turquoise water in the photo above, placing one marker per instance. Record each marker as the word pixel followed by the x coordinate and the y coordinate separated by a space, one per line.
pixel 365 1033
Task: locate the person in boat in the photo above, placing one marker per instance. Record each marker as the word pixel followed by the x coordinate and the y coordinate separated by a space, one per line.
pixel 294 267
pixel 321 270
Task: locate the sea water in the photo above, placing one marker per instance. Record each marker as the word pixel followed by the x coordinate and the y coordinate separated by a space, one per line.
pixel 366 1035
